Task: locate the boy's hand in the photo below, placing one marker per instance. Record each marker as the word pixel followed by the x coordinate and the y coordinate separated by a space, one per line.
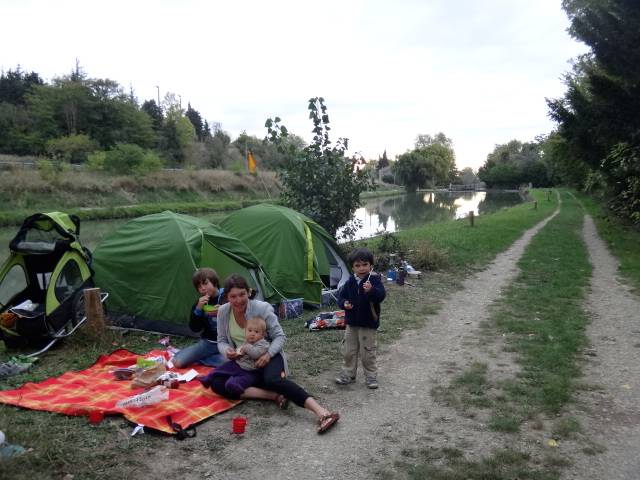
pixel 202 301
pixel 367 286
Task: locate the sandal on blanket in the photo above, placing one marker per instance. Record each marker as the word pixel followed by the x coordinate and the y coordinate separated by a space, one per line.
pixel 282 402
pixel 327 421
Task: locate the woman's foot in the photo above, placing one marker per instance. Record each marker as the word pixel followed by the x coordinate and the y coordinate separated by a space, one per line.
pixel 325 422
pixel 204 380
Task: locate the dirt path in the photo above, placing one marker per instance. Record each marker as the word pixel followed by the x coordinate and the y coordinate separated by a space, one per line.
pixel 375 425
pixel 611 416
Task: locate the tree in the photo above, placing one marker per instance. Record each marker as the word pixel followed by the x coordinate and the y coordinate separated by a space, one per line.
pixel 426 166
pixel 383 161
pixel 319 180
pixel 151 108
pixel 196 120
pixel 15 84
pixel 426 140
pixel 515 163
pixel 599 115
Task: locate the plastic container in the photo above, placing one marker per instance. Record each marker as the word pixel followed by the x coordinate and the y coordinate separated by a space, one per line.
pixel 392 274
pixel 95 417
pixel 238 424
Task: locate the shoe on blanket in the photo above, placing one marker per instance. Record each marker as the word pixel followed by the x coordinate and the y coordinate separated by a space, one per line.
pixel 345 380
pixel 372 383
pixel 327 421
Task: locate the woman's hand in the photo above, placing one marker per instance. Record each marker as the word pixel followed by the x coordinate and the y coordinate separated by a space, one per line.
pixel 263 360
pixel 232 354
pixel 202 301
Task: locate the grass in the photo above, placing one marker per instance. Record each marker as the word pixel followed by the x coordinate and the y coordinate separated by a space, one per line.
pixel 623 240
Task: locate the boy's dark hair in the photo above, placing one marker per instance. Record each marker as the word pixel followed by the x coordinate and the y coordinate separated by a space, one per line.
pixel 360 255
pixel 202 274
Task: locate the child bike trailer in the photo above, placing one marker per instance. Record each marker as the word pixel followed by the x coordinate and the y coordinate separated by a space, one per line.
pixel 41 283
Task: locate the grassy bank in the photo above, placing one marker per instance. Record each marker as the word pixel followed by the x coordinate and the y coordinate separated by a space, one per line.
pixel 96 196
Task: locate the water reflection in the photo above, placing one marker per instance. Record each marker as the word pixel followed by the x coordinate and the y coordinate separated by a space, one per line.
pixel 406 211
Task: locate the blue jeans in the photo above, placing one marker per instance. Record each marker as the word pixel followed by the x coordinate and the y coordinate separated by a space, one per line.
pixel 203 352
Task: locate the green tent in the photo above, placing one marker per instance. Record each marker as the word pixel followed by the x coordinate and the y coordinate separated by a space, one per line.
pixel 146 267
pixel 299 256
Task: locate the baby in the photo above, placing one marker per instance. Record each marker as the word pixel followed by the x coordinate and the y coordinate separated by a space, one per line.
pixel 242 373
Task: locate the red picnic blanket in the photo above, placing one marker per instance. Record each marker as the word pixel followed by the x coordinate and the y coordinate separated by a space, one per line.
pixel 96 389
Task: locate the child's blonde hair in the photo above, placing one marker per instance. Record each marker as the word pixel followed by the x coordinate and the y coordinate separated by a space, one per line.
pixel 258 320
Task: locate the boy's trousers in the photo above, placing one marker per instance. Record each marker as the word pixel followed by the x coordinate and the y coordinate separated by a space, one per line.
pixel 359 342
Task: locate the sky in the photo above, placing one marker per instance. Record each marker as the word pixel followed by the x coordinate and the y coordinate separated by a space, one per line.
pixel 478 71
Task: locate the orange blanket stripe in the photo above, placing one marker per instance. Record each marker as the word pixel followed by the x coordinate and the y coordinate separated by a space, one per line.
pixel 96 389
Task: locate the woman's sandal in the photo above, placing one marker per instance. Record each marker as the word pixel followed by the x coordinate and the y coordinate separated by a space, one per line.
pixel 282 402
pixel 327 421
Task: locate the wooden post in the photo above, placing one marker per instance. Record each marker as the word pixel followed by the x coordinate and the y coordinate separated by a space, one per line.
pixel 535 205
pixel 548 195
pixel 94 311
pixel 471 217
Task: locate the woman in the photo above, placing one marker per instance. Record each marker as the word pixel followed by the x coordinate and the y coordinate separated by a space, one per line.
pixel 232 319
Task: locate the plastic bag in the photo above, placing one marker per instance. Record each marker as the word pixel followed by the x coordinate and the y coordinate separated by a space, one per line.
pixel 156 395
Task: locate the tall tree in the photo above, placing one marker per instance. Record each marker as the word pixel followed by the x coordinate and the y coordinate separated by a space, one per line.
pixel 15 84
pixel 319 180
pixel 599 116
pixel 196 120
pixel 426 166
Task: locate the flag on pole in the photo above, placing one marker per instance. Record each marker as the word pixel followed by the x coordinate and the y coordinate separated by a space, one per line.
pixel 251 162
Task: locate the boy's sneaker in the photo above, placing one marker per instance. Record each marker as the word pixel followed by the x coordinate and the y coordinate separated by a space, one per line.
pixel 372 383
pixel 344 380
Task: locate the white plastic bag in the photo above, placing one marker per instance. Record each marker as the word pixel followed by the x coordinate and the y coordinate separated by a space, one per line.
pixel 150 397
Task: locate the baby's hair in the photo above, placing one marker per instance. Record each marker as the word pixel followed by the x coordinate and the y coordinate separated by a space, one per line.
pixel 258 321
pixel 360 255
pixel 202 274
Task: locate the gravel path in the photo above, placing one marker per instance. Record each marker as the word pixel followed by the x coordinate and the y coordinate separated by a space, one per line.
pixel 611 416
pixel 375 425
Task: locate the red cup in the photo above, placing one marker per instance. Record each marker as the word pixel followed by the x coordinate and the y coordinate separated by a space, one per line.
pixel 238 424
pixel 96 416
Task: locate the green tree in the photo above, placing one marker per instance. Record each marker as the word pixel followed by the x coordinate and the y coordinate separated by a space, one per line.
pixel 196 120
pixel 15 84
pixel 599 115
pixel 425 166
pixel 319 180
pixel 72 148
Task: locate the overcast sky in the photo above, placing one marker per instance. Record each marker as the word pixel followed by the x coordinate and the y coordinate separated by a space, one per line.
pixel 477 70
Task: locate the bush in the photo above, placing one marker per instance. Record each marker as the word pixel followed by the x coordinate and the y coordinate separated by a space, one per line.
pixel 127 158
pixel 425 256
pixel 50 170
pixel 95 161
pixel 388 178
pixel 72 149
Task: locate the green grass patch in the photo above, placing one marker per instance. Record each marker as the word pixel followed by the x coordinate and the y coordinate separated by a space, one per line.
pixel 542 314
pixel 623 240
